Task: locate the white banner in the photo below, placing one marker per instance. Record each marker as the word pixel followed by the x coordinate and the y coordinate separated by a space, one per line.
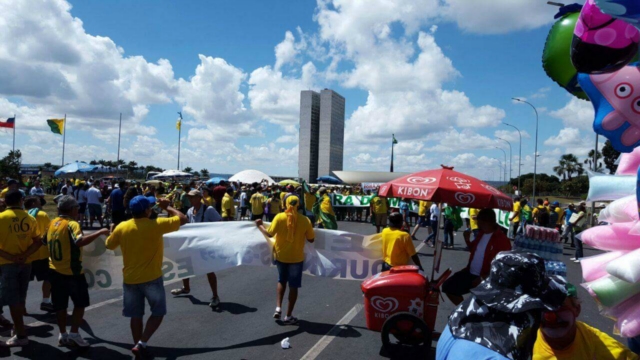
pixel 197 249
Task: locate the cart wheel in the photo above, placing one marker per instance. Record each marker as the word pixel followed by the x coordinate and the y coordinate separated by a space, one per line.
pixel 405 329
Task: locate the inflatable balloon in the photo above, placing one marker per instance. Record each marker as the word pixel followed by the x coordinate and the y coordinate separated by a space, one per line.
pixel 611 237
pixel 625 10
pixel 601 43
pixel 595 267
pixel 629 163
pixel 610 187
pixel 556 57
pixel 616 100
pixel 611 291
pixel 620 211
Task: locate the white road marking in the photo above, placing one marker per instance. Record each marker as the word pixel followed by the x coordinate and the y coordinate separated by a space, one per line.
pixel 335 330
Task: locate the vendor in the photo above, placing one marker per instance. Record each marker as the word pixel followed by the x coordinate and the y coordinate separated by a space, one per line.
pixel 562 336
pixel 489 242
pixel 397 246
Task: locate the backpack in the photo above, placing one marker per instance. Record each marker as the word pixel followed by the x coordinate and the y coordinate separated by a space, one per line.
pixel 553 218
pixel 543 216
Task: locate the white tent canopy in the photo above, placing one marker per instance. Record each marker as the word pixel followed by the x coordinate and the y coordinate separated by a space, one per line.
pixel 172 174
pixel 251 176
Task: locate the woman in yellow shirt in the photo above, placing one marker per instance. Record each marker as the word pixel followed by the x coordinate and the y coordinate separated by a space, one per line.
pixel 207 198
pixel 397 246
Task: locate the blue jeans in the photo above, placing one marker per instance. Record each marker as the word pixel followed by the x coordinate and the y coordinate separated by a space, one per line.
pixel 135 294
pixel 448 233
pixel 434 231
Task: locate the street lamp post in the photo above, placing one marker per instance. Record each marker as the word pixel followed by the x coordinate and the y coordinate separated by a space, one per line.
pixel 505 162
pixel 535 153
pixel 510 159
pixel 499 168
pixel 519 153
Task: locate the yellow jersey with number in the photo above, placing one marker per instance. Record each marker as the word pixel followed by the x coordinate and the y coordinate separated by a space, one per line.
pixel 65 257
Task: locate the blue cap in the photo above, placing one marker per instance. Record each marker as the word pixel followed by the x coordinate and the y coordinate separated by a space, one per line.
pixel 555 203
pixel 140 204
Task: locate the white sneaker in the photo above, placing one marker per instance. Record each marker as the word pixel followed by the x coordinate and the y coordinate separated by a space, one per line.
pixel 573 259
pixel 77 340
pixel 63 339
pixel 15 342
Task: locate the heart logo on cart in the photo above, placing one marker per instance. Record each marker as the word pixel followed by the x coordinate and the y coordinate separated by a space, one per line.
pixel 421 180
pixel 491 188
pixel 384 305
pixel 465 198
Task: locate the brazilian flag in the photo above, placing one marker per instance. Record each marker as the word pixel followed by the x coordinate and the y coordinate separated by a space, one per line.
pixel 323 212
pixel 56 125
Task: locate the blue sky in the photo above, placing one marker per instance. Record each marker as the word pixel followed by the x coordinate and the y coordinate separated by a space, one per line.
pixel 438 74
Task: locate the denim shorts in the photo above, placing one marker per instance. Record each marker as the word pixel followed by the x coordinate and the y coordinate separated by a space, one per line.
pixel 135 294
pixel 14 282
pixel 290 273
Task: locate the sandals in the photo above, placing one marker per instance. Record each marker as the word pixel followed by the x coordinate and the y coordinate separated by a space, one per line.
pixel 181 291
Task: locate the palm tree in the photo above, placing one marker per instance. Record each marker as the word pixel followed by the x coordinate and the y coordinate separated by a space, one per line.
pixel 188 169
pixel 205 173
pixel 589 161
pixel 567 166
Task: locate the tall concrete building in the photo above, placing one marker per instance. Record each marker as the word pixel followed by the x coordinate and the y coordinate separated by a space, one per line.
pixel 321 134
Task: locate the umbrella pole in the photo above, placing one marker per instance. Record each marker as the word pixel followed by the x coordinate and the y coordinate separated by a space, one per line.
pixel 435 244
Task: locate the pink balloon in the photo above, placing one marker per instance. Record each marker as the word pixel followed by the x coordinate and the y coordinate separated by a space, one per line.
pixel 629 163
pixel 594 267
pixel 611 237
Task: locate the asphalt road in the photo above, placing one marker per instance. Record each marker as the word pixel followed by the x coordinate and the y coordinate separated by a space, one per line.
pixel 332 322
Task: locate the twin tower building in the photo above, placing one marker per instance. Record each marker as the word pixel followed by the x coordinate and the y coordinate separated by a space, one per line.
pixel 321 143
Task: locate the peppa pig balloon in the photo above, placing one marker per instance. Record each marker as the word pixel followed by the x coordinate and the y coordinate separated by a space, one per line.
pixel 616 100
pixel 626 10
pixel 602 44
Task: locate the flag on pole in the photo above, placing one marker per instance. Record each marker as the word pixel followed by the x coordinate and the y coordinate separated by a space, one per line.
pixel 394 139
pixel 179 124
pixel 56 125
pixel 9 124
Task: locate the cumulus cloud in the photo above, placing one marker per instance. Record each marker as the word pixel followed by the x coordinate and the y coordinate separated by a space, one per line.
pixel 576 114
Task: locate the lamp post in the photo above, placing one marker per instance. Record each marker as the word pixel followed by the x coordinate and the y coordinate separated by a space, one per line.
pixel 535 154
pixel 519 152
pixel 510 158
pixel 505 162
pixel 499 167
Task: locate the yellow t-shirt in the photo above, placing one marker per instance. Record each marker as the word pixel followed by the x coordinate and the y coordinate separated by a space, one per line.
pixel 560 217
pixel 282 195
pixel 516 209
pixel 257 204
pixel 65 257
pixel 142 247
pixel 274 206
pixel 397 247
pixel 379 205
pixel 78 182
pixel 209 201
pixel 423 206
pixel 473 223
pixel 326 206
pixel 589 343
pixel 228 207
pixel 4 192
pixel 309 201
pixel 290 251
pixel 43 226
pixel 18 230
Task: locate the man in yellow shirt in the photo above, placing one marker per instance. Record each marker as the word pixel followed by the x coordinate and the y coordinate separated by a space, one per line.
pixel 273 205
pixel 423 218
pixel 65 241
pixel 40 259
pixel 562 337
pixel 473 221
pixel 257 205
pixel 397 246
pixel 228 207
pixel 514 218
pixel 20 237
pixel 309 201
pixel 379 209
pixel 140 240
pixel 290 230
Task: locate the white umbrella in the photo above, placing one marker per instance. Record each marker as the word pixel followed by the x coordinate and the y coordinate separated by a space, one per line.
pixel 251 176
pixel 172 174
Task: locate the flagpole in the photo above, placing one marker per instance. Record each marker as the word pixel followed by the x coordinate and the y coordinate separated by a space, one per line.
pixel 179 136
pixel 392 143
pixel 64 136
pixel 118 160
pixel 14 132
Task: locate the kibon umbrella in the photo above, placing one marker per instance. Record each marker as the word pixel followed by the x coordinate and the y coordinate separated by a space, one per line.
pixel 447 186
pixel 289 182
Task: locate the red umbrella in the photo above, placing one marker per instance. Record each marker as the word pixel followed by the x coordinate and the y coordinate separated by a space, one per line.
pixel 447 186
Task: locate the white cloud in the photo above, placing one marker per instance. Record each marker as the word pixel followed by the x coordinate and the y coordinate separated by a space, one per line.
pixel 498 16
pixel 573 141
pixel 512 136
pixel 577 114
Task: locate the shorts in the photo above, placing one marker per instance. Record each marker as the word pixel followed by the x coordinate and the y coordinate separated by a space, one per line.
pixel 381 219
pixel 256 217
pixel 82 208
pixel 95 210
pixel 118 216
pixel 64 287
pixel 40 270
pixel 290 273
pixel 14 282
pixel 135 294
pixel 459 283
pixel 423 221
